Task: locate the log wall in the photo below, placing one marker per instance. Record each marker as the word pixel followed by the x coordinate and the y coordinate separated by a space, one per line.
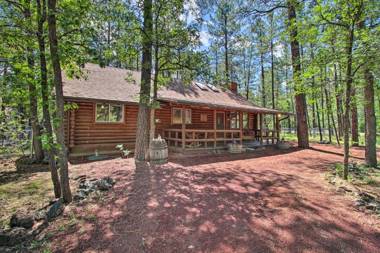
pixel 84 135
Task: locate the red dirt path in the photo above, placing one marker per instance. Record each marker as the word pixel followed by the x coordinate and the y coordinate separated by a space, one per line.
pixel 269 201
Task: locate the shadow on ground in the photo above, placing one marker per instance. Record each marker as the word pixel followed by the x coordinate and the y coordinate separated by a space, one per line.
pixel 252 203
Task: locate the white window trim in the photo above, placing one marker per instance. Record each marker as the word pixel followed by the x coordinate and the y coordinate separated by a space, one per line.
pixel 109 107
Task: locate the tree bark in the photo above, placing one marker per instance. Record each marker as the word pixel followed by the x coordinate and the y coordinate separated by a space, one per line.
pixel 249 72
pixel 60 113
pixel 41 18
pixel 354 119
pixel 225 31
pixel 272 69
pixel 338 98
pixel 346 119
pixel 317 111
pixel 142 133
pixel 263 92
pixel 33 103
pixel 328 105
pixel 370 119
pixel 300 97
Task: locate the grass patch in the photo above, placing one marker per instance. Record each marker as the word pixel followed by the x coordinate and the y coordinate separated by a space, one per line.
pixel 315 138
pixel 362 177
pixel 26 193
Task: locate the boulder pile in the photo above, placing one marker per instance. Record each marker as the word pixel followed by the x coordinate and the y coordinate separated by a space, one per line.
pixel 367 201
pixel 24 226
pixel 87 186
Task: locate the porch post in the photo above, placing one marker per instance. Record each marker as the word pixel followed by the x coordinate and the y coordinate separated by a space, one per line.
pixel 214 128
pixel 261 128
pixel 278 127
pixel 183 128
pixel 241 127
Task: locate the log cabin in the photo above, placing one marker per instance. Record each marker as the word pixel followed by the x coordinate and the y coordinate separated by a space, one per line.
pixel 104 108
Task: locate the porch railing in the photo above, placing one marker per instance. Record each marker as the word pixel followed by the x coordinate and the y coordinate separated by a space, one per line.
pixel 201 139
pixel 214 139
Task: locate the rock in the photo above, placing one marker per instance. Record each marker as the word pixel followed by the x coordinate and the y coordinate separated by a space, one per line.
pixel 366 197
pixel 359 203
pixel 4 238
pixel 105 184
pixel 283 145
pixel 80 195
pixel 13 236
pixel 86 185
pixel 40 215
pixel 372 206
pixel 55 210
pixel 22 220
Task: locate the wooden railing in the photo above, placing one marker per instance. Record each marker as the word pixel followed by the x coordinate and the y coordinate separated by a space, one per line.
pixel 213 139
pixel 201 139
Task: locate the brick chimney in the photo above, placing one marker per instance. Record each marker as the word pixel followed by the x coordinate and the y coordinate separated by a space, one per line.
pixel 234 87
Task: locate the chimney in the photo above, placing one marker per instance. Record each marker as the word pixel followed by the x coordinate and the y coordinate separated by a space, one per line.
pixel 233 87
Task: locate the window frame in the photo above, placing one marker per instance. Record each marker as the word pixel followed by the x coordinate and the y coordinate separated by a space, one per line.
pixel 109 111
pixel 237 119
pixel 183 117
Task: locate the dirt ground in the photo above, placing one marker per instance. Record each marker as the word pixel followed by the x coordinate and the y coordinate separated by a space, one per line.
pixel 269 201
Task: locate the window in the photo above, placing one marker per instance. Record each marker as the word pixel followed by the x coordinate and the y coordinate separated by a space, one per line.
pixel 109 113
pixel 177 116
pixel 187 116
pixel 245 120
pixel 203 117
pixel 234 120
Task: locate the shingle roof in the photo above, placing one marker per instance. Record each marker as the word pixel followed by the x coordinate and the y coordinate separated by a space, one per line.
pixel 114 84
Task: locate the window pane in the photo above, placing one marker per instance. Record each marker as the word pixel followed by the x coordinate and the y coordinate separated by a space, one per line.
pixel 235 120
pixel 188 116
pixel 116 113
pixel 245 120
pixel 177 116
pixel 102 112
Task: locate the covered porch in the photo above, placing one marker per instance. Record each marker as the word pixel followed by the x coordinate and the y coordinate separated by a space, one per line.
pixel 228 126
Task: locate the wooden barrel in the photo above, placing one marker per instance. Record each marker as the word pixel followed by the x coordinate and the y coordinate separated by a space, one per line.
pixel 158 151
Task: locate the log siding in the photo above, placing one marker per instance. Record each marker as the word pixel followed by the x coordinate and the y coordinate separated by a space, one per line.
pixel 84 135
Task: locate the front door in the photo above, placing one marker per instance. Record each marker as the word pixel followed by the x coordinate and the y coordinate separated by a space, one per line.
pixel 220 120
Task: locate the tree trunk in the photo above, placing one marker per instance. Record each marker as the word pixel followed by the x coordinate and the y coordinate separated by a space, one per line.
pixel 152 128
pixel 317 111
pixel 60 113
pixel 272 69
pixel 354 119
pixel 346 119
pixel 300 97
pixel 33 103
pixel 328 105
pixel 263 92
pixel 370 119
pixel 322 102
pixel 142 133
pixel 227 74
pixel 338 98
pixel 41 17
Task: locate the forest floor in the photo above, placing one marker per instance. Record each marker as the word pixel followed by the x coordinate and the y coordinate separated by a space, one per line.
pixel 267 201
